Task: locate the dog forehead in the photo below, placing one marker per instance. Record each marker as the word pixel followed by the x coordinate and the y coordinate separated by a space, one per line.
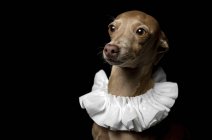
pixel 139 16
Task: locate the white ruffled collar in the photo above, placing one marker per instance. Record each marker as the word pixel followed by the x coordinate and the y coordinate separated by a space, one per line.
pixel 129 113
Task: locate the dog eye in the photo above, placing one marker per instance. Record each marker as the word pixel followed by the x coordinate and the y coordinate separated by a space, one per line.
pixel 112 28
pixel 141 31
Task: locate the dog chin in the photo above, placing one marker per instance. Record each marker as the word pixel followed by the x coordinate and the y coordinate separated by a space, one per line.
pixel 120 63
pixel 113 62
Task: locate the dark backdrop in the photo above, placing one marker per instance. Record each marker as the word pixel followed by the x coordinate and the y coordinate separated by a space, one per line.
pixel 69 38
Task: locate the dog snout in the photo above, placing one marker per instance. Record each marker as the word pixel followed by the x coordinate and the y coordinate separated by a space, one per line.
pixel 111 51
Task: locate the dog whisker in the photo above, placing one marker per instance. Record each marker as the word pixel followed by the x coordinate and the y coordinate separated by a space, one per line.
pixel 99 53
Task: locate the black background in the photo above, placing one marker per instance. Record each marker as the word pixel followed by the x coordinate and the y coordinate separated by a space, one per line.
pixel 65 42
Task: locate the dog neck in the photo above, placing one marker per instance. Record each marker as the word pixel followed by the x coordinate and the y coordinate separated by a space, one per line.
pixel 130 82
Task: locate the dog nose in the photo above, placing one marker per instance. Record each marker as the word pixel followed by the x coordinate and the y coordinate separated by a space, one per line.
pixel 111 50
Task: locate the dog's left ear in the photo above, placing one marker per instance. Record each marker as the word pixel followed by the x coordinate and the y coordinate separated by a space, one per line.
pixel 162 48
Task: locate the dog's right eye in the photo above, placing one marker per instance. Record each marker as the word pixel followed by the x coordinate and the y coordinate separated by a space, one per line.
pixel 112 28
pixel 141 31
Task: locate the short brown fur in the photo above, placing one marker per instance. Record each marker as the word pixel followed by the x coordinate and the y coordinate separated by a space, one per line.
pixel 137 44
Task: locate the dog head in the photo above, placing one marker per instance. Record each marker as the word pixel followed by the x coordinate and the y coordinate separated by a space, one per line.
pixel 136 40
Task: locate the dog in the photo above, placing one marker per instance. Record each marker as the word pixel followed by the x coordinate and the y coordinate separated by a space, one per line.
pixel 136 46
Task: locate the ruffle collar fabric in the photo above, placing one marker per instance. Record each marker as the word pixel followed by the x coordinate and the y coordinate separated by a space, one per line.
pixel 129 113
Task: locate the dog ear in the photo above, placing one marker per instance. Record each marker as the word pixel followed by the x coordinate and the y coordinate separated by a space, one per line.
pixel 162 48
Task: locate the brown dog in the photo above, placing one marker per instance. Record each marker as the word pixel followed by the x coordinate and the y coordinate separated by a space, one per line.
pixel 137 44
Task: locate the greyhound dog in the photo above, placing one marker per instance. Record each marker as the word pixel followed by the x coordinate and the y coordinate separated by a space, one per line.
pixel 137 95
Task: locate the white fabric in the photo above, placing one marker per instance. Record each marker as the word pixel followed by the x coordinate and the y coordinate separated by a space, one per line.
pixel 129 113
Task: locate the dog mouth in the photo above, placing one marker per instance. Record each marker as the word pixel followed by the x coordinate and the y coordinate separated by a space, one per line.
pixel 113 61
pixel 119 60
